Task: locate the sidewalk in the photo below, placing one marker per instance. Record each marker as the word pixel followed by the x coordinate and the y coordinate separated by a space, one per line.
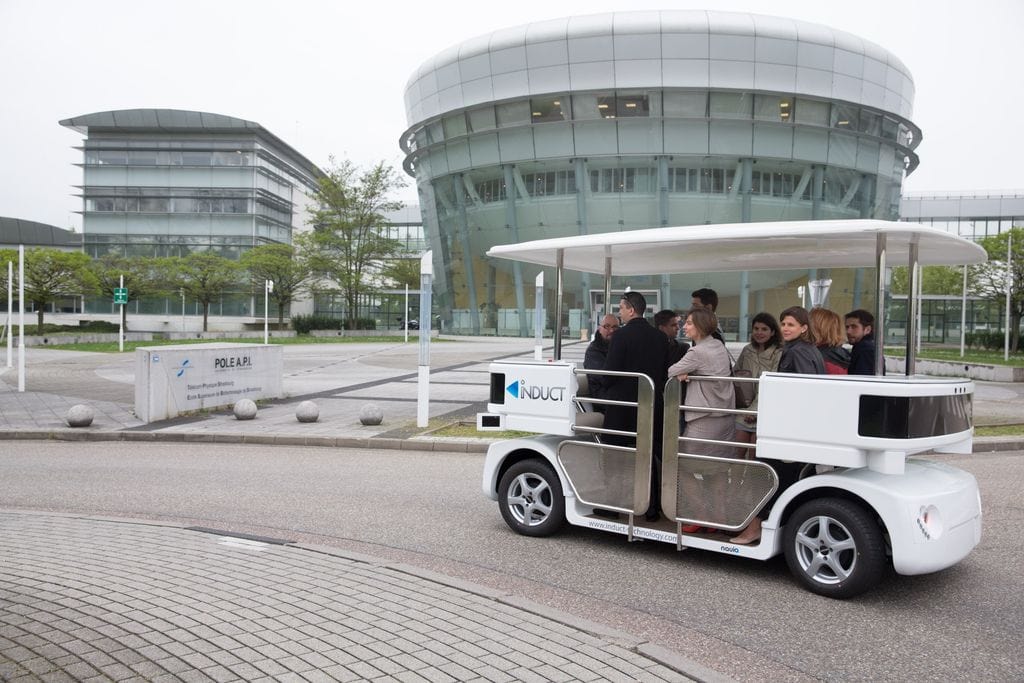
pixel 340 379
pixel 90 599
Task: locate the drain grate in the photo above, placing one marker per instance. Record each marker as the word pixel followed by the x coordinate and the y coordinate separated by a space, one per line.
pixel 244 537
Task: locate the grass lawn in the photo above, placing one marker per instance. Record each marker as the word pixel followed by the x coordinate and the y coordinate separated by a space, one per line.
pixel 1000 430
pixel 953 355
pixel 468 430
pixel 111 347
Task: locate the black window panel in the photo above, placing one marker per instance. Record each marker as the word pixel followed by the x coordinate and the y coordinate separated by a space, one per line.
pixel 498 388
pixel 905 417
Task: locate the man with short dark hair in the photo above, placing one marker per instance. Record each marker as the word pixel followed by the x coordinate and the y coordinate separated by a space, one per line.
pixel 860 331
pixel 668 322
pixel 637 347
pixel 705 298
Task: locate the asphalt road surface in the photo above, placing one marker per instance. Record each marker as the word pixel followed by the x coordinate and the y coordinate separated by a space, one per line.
pixel 743 618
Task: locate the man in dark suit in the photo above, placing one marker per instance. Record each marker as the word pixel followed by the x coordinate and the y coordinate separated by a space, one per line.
pixel 637 347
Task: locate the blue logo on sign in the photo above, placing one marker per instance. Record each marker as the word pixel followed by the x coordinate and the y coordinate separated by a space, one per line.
pixel 184 366
pixel 513 388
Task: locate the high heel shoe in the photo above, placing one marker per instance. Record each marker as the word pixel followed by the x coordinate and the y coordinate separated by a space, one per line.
pixel 752 534
pixel 746 540
pixel 690 528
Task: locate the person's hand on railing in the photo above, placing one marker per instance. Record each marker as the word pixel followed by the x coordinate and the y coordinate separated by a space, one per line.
pixel 683 378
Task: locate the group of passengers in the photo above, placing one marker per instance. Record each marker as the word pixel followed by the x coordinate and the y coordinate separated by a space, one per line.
pixel 800 342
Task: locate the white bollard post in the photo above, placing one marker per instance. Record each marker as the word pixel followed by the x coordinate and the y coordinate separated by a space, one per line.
pixel 423 384
pixel 21 317
pixel 10 313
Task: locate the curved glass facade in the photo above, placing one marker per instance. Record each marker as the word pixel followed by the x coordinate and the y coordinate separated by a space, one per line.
pixel 538 164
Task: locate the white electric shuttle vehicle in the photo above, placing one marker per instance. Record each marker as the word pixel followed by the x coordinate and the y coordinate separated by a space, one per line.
pixel 861 503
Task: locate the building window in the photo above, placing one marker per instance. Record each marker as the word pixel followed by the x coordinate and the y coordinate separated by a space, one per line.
pixel 632 105
pixel 686 104
pixel 587 106
pixel 547 109
pixel 773 108
pixel 608 180
pixel 513 114
pixel 491 190
pixel 713 180
pixel 482 119
pixel 550 183
pixel 683 179
pixel 731 105
pixel 845 116
pixel 870 123
pixel 454 126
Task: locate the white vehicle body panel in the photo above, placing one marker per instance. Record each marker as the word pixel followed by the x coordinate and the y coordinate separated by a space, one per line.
pixel 932 512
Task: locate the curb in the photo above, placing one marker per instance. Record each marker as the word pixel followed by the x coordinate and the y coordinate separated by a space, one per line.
pixel 986 444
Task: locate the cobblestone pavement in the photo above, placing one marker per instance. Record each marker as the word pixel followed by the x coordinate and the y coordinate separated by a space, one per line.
pixel 87 599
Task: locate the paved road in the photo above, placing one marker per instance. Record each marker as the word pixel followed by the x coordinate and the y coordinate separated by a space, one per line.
pixel 745 619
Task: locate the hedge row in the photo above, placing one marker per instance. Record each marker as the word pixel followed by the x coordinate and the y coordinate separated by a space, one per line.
pixel 303 324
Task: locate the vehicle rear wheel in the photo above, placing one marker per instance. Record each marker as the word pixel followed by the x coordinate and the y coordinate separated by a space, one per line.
pixel 835 548
pixel 531 499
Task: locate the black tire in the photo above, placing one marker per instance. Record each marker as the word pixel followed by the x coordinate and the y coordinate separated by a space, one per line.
pixel 835 548
pixel 531 500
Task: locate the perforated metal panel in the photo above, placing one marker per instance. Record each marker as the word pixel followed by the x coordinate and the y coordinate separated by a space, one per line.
pixel 720 492
pixel 600 475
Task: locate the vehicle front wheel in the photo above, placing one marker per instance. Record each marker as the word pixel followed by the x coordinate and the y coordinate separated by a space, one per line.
pixel 531 499
pixel 835 548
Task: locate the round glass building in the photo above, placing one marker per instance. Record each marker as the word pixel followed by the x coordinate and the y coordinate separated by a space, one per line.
pixel 644 119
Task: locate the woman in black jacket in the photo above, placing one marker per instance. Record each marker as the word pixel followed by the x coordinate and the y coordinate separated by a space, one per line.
pixel 799 355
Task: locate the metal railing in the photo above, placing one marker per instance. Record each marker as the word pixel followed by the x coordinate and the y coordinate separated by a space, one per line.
pixel 716 491
pixel 613 476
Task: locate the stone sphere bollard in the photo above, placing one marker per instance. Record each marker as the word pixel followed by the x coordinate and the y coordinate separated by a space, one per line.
pixel 79 416
pixel 245 409
pixel 371 414
pixel 307 411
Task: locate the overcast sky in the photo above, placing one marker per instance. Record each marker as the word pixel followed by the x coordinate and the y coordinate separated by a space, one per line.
pixel 329 77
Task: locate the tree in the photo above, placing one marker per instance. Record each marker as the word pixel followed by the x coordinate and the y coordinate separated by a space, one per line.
pixel 50 275
pixel 990 277
pixel 204 276
pixel 934 280
pixel 349 238
pixel 142 277
pixel 402 272
pixel 285 265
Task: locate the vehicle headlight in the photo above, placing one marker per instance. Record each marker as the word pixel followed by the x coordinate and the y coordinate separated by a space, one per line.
pixel 929 522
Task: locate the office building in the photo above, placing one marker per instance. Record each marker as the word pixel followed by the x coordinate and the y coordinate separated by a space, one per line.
pixel 643 119
pixel 165 182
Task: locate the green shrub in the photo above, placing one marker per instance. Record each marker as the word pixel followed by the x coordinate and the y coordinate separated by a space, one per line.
pixel 304 323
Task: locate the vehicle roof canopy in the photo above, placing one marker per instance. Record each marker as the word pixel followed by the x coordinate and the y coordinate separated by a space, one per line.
pixel 747 246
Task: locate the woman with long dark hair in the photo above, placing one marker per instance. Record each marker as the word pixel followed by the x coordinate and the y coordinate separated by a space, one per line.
pixel 762 354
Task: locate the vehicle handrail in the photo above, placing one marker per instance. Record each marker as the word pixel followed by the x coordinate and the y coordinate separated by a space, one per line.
pixel 643 437
pixel 716 378
pixel 670 465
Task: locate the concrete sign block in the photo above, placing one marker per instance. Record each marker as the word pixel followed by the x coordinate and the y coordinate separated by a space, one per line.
pixel 170 380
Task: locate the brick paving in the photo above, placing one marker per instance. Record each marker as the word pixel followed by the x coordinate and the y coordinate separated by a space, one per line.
pixel 85 599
